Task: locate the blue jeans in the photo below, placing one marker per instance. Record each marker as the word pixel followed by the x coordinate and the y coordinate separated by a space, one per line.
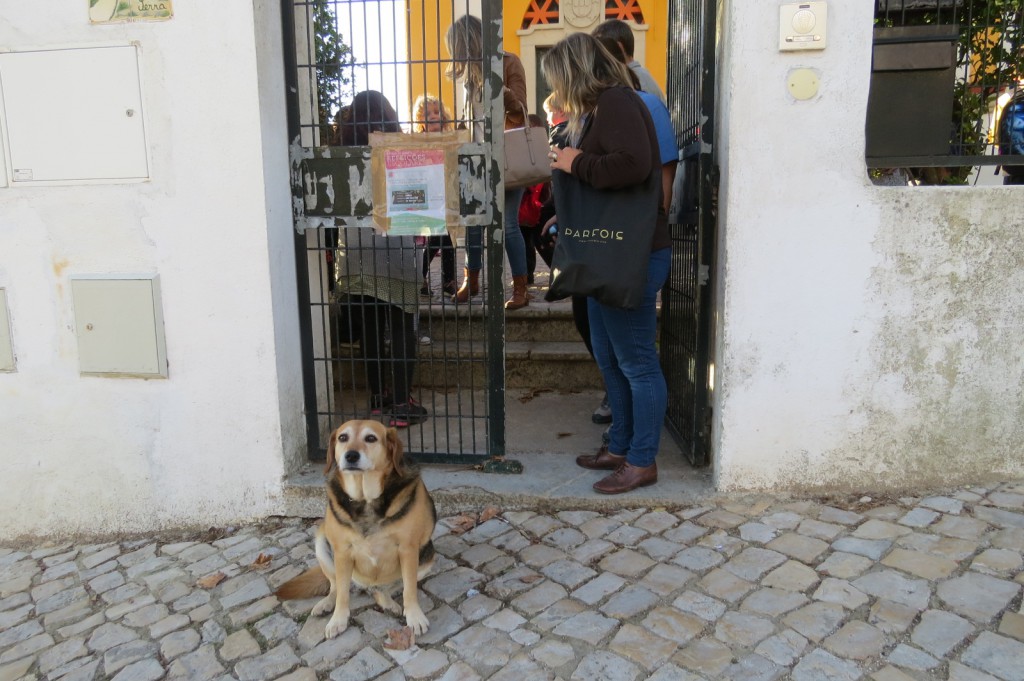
pixel 515 245
pixel 625 350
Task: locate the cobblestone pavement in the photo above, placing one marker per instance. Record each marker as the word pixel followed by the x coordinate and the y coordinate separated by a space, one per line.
pixel 747 588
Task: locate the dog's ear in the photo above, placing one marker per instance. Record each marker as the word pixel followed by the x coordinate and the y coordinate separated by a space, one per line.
pixel 395 451
pixel 330 451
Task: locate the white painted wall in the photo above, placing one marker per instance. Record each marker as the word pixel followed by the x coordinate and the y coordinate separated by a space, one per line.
pixel 866 336
pixel 210 443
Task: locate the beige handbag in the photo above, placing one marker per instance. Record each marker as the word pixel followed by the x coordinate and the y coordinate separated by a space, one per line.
pixel 526 156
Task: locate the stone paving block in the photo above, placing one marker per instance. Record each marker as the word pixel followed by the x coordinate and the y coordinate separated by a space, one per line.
pixel 568 573
pixel 752 667
pixel 910 657
pixel 565 538
pixel 977 596
pixel 752 563
pixel 587 626
pixel 197 666
pixel 999 562
pixel 804 549
pixel 840 592
pixel 630 601
pixel 743 630
pixel 686 533
pixel 558 613
pixel 873 549
pixel 704 607
pixel 238 645
pixel 539 555
pixel 642 646
pixel 791 576
pixel 919 517
pixel 665 579
pixel 670 672
pixel 893 586
pixel 721 519
pixel 722 542
pixel 920 564
pixel 659 549
pixel 601 665
pixel 947 547
pixel 365 665
pixel 959 672
pixel 999 517
pixel 673 625
pixel 996 655
pixel 453 583
pixel 816 621
pixel 1012 625
pixel 626 535
pixel 705 656
pixel 539 597
pixel 656 521
pixel 885 512
pixel 698 559
pixel 819 530
pixel 553 653
pixel 591 551
pixel 939 632
pixel 725 585
pixel 856 641
pixel 772 602
pixel 844 565
pixel 783 520
pixel 597 589
pixel 891 617
pixel 820 664
pixel 880 529
pixel 943 505
pixel 783 648
pixel 757 533
pixel 960 527
pixel 890 674
pixel 598 527
pixel 626 563
pixel 831 514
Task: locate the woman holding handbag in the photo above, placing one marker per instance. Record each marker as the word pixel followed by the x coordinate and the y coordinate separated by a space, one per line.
pixel 465 45
pixel 607 179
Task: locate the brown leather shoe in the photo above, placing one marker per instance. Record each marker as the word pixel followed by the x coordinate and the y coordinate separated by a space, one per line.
pixel 627 477
pixel 602 461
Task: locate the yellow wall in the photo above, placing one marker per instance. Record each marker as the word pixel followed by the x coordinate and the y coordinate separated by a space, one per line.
pixel 427 42
pixel 655 14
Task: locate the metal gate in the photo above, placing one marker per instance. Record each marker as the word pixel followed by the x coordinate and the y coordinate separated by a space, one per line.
pixel 355 351
pixel 687 297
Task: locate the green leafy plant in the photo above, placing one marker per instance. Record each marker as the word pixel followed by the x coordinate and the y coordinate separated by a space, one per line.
pixel 334 61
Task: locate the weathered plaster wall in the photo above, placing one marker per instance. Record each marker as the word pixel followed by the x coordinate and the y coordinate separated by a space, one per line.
pixel 867 336
pixel 205 445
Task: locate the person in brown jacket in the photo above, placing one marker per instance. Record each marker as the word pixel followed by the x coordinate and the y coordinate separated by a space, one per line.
pixel 465 45
pixel 612 144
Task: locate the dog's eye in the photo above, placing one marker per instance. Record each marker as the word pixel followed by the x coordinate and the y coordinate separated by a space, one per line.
pixel 371 438
pixel 343 437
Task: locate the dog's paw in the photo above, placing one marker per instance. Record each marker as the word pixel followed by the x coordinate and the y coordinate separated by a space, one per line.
pixel 323 606
pixel 337 624
pixel 386 602
pixel 417 620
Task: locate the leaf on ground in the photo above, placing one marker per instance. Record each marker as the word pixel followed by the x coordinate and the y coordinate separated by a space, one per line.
pixel 400 639
pixel 211 580
pixel 561 435
pixel 488 513
pixel 262 560
pixel 530 579
pixel 462 523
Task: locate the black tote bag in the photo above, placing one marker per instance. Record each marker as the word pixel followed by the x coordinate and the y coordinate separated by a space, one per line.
pixel 604 240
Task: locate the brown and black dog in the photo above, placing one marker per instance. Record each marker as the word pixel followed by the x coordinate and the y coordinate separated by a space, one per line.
pixel 377 528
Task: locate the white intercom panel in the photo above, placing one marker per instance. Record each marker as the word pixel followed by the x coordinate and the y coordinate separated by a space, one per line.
pixel 802 25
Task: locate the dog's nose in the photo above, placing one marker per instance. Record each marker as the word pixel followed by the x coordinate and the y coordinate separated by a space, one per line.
pixel 351 457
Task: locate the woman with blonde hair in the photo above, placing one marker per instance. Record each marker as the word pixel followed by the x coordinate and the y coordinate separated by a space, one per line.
pixel 430 115
pixel 611 144
pixel 465 45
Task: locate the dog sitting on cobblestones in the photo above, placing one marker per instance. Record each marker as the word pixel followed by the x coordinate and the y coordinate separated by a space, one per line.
pixel 376 531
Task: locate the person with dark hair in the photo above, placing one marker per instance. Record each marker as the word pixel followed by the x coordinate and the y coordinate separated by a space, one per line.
pixel 618 31
pixel 612 145
pixel 377 279
pixel 465 45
